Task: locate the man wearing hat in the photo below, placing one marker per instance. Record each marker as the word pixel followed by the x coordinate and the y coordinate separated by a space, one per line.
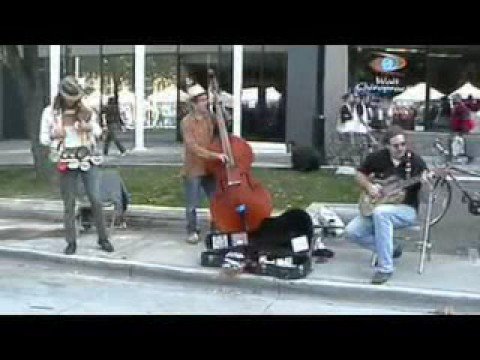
pixel 70 125
pixel 197 130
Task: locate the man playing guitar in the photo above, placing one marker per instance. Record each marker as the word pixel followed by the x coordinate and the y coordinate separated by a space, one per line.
pixel 375 231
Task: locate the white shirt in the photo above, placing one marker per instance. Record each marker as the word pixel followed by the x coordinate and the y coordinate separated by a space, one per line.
pixel 51 119
pixel 395 162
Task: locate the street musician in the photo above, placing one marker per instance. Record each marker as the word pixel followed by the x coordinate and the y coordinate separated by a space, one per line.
pixel 390 179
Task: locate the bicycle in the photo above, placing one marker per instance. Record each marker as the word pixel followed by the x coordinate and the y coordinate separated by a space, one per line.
pixel 353 148
pixel 442 187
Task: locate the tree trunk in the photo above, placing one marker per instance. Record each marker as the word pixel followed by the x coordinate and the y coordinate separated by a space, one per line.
pixel 26 73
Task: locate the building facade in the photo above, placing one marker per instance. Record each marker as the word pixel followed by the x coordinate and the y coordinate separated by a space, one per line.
pixel 274 93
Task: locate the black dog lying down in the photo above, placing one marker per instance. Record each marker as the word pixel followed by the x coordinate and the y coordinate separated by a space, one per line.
pixel 275 234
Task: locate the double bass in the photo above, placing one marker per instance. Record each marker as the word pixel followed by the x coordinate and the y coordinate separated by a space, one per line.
pixel 240 203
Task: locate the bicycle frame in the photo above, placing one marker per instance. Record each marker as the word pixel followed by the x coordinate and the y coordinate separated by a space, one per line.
pixel 451 174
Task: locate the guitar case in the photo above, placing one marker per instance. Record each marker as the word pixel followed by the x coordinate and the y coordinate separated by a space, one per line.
pixel 269 250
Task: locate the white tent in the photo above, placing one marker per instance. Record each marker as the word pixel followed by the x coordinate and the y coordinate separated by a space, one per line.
pixel 225 97
pixel 250 97
pixel 126 97
pixel 93 100
pixel 251 94
pixel 272 94
pixel 168 94
pixel 467 89
pixel 417 93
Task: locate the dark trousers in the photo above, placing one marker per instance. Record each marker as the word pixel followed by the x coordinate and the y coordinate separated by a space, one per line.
pixel 68 188
pixel 112 136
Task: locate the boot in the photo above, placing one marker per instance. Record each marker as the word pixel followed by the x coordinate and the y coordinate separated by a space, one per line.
pixel 70 249
pixel 105 245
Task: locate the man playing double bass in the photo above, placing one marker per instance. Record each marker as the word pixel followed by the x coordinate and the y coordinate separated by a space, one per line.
pixel 375 232
pixel 197 131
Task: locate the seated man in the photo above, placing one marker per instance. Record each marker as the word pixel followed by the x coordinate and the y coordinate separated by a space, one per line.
pixel 375 232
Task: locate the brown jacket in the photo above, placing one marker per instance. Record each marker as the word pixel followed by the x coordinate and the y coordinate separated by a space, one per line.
pixel 197 135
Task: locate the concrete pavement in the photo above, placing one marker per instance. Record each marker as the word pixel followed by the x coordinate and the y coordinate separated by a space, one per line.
pixel 154 244
pixel 159 250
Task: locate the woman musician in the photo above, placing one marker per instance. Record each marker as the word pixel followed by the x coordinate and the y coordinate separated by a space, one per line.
pixel 71 128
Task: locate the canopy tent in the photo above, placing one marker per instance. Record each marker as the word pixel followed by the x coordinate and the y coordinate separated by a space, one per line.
pixel 466 90
pixel 251 94
pixel 273 95
pixel 417 93
pixel 226 98
pixel 93 100
pixel 168 94
pixel 126 96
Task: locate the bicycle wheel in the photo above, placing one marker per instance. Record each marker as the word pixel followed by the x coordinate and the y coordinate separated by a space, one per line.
pixel 442 195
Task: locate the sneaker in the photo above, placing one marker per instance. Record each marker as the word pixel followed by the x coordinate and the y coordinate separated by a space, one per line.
pixel 123 153
pixel 381 277
pixel 105 245
pixel 193 238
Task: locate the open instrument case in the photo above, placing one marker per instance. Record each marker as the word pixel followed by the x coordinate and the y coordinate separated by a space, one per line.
pixel 283 265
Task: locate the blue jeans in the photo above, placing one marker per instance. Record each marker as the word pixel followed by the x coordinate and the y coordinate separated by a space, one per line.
pixel 193 192
pixel 376 232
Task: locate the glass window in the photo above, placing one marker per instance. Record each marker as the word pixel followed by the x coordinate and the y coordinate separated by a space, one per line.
pixel 391 82
pixel 44 71
pixel 161 90
pixel 452 69
pixel 84 62
pixel 97 67
pixel 264 93
pixel 195 60
pixel 118 70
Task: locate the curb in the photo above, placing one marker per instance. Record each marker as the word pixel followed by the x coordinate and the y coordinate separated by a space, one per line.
pixel 139 269
pixel 395 295
pixel 136 214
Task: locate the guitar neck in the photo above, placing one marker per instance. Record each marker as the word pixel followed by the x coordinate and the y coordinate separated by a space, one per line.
pixel 406 183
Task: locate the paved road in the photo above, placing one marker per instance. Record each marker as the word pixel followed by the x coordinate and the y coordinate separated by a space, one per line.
pixel 458 230
pixel 33 288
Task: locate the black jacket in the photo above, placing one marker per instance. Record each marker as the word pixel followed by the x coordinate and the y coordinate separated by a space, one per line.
pixel 112 115
pixel 345 114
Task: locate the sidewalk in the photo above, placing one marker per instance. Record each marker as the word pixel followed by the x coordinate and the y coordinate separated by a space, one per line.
pixel 17 153
pixel 268 155
pixel 160 251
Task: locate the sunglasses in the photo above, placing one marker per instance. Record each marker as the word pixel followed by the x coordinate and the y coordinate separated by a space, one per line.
pixel 399 145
